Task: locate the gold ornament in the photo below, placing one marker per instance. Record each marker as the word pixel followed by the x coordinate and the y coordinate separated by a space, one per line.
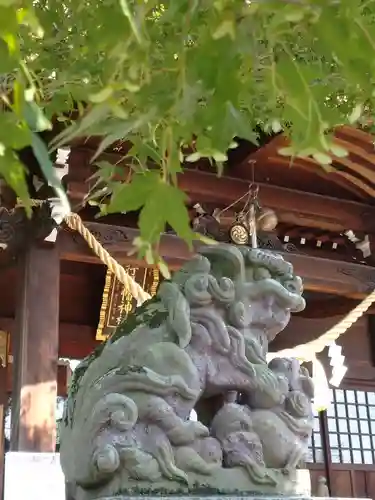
pixel 4 348
pixel 239 234
pixel 266 220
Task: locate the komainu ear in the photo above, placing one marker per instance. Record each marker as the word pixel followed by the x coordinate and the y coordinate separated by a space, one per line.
pixel 226 261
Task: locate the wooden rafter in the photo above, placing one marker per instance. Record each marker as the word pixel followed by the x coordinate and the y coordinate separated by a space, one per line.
pixel 294 207
pixel 354 172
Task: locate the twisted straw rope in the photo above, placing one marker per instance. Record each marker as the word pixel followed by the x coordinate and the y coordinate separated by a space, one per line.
pixel 307 352
pixel 74 222
pixel 304 352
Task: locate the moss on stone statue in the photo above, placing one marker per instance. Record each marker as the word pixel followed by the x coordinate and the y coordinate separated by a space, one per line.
pixel 146 314
pixel 150 313
pixel 194 490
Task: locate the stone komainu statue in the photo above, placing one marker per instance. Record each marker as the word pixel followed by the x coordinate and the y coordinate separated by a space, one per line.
pixel 205 334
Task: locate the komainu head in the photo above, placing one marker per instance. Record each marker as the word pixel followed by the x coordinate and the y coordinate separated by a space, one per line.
pixel 256 289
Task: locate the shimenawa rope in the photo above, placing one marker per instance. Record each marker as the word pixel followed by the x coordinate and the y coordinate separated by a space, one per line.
pixel 305 352
pixel 74 222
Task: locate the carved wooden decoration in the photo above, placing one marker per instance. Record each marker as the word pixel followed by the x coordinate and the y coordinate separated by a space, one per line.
pixel 13 226
pixel 17 231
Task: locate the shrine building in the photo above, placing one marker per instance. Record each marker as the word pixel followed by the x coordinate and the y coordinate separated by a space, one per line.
pixel 59 301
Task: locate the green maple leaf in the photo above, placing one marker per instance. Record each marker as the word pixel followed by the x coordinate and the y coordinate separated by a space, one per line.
pixel 131 196
pixel 165 205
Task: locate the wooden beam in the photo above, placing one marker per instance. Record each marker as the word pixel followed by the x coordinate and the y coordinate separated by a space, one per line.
pixel 319 274
pixel 36 352
pixel 75 341
pixel 292 207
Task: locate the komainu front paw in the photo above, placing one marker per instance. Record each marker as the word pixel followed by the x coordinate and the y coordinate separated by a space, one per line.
pixel 286 471
pixel 261 475
pixel 270 479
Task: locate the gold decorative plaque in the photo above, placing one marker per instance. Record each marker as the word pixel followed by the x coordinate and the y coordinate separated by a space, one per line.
pixel 117 301
pixel 4 347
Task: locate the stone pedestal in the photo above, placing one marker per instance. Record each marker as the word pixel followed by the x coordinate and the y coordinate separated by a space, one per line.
pixel 224 497
pixel 225 483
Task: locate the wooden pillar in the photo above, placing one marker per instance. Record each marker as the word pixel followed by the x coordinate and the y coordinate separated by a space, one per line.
pixel 4 342
pixel 326 449
pixel 2 421
pixel 36 351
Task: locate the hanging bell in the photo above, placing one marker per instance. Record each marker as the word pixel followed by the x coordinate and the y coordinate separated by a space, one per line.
pixel 266 220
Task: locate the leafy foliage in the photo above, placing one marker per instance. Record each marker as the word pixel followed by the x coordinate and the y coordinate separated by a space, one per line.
pixel 173 75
